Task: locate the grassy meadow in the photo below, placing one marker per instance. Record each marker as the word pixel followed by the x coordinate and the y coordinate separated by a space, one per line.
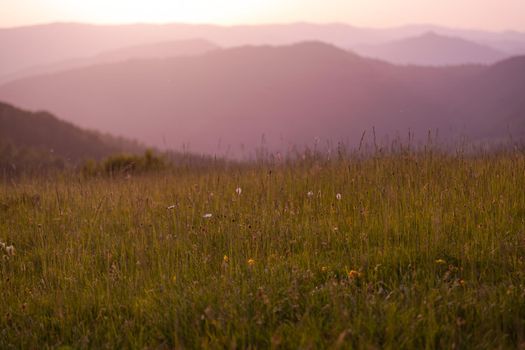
pixel 409 250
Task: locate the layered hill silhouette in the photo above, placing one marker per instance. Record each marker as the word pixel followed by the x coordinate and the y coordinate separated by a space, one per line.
pixel 289 95
pixel 431 49
pixel 26 47
pixel 40 139
pixel 148 51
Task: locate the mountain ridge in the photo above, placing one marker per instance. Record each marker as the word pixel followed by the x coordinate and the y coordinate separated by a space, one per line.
pixel 153 50
pixel 432 49
pixel 24 47
pixel 46 134
pixel 291 94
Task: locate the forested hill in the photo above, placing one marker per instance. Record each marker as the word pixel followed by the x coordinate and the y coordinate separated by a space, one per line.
pixel 35 140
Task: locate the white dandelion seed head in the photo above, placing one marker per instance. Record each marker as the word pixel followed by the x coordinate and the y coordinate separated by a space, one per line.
pixel 207 215
pixel 10 250
pixel 238 190
pixel 310 194
pixel 338 196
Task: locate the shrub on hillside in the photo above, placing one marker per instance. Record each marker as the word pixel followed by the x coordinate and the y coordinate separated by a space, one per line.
pixel 125 164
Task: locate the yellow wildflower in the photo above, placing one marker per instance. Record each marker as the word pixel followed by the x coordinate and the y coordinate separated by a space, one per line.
pixel 174 278
pixel 251 262
pixel 324 268
pixel 440 262
pixel 353 274
pixel 226 259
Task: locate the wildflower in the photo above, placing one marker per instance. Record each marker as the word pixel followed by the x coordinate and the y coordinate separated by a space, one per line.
pixel 338 196
pixel 324 269
pixel 460 322
pixel 171 207
pixel 226 259
pixel 207 215
pixel 440 262
pixel 310 194
pixel 10 250
pixel 238 190
pixel 251 262
pixel 174 278
pixel 353 274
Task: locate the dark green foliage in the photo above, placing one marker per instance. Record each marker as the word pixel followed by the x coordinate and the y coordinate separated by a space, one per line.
pixel 132 164
pixel 31 161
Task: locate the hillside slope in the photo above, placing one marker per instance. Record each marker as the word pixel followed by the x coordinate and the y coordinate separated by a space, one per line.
pixel 286 95
pixel 29 139
pixel 26 47
pixel 155 50
pixel 432 49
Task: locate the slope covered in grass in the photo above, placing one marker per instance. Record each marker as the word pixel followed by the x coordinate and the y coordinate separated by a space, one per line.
pixel 422 250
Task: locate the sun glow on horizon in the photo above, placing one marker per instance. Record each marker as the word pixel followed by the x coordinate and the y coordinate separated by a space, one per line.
pixel 165 11
pixel 488 14
pixel 140 11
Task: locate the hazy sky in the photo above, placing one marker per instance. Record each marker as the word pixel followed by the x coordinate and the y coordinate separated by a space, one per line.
pixel 483 14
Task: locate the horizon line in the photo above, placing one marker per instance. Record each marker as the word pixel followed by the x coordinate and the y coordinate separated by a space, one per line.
pixel 261 24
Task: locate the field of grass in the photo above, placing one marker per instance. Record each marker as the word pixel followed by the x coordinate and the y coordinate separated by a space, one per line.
pixel 420 250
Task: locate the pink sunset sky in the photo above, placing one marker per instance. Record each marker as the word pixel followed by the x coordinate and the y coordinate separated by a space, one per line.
pixel 482 14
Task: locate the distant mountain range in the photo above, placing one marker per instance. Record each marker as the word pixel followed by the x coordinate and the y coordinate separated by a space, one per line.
pixel 25 48
pixel 291 94
pixel 28 138
pixel 431 49
pixel 156 50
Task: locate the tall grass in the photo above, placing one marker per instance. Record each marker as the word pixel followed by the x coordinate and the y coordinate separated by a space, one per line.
pixel 423 250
